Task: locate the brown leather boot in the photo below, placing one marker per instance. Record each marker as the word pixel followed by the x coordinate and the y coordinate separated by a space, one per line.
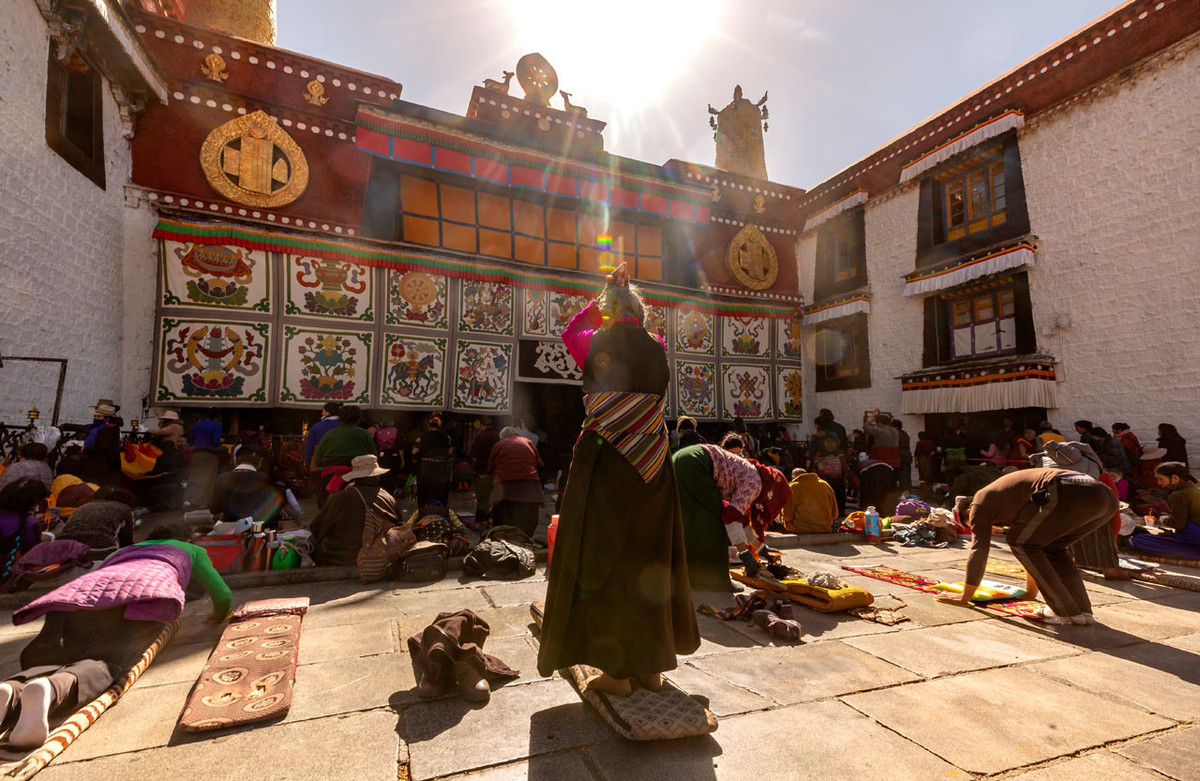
pixel 471 685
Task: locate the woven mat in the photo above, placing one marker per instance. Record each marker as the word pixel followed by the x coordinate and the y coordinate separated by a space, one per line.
pixel 1172 579
pixel 1010 569
pixel 1013 607
pixel 66 733
pixel 1192 563
pixel 643 715
pixel 249 676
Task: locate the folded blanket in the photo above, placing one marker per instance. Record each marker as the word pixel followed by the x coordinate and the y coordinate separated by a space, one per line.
pixel 799 590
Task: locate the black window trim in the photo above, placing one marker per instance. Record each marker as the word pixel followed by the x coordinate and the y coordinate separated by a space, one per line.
pixel 851 226
pixel 858 324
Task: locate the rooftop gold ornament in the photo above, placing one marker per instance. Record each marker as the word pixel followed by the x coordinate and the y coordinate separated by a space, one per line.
pixel 314 93
pixel 537 77
pixel 214 68
pixel 738 130
pixel 752 260
pixel 251 160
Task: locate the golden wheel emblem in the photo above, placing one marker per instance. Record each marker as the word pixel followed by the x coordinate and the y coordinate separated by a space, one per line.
pixel 537 77
pixel 418 288
pixel 250 160
pixel 752 260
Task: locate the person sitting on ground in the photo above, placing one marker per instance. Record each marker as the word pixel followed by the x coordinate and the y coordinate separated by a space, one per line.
pixel 103 524
pixel 1043 511
pixel 1047 433
pixel 813 507
pixel 829 463
pixel 247 492
pixel 19 505
pixel 162 491
pixel 32 464
pixel 338 527
pixel 1121 483
pixel 1083 428
pixel 688 435
pixel 99 625
pixel 1111 452
pixel 1175 445
pixel 513 464
pixel 1181 537
pixel 1133 449
pixel 339 447
pixel 170 429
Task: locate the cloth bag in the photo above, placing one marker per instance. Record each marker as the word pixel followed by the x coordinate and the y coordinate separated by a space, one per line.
pixel 424 562
pixel 383 544
pixel 500 560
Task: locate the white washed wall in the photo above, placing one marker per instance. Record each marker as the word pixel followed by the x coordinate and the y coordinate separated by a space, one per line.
pixel 61 282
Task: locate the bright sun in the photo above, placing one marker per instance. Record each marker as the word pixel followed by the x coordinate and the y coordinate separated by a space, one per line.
pixel 626 50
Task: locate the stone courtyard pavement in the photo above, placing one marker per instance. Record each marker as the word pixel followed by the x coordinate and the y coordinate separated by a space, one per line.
pixel 953 693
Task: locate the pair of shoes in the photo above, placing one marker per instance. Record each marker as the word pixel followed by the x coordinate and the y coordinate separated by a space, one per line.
pixel 1048 616
pixel 779 628
pixel 784 609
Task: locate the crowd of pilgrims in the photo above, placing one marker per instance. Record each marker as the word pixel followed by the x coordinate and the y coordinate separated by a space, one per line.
pixel 635 494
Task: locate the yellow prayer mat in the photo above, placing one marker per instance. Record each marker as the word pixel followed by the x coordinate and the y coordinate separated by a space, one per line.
pixel 999 567
pixel 799 590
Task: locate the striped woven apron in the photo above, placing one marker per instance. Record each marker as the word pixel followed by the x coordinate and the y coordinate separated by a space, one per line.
pixel 633 424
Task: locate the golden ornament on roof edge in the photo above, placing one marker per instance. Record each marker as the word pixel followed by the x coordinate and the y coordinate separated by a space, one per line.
pixel 251 160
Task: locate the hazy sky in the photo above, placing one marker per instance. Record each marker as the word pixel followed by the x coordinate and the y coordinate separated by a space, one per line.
pixel 845 76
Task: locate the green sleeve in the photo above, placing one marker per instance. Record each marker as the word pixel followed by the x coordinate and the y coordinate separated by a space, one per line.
pixel 207 576
pixel 1180 510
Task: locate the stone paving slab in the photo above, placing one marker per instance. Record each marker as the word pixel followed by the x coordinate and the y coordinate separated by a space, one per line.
pixel 953 648
pixel 1175 754
pixel 719 696
pixel 1154 676
pixel 719 637
pixel 453 736
pixel 997 720
pixel 347 685
pixel 358 747
pixel 518 593
pixel 806 672
pixel 1100 765
pixel 781 744
pixel 1151 620
pixel 567 766
pixel 144 718
pixel 176 664
pixel 321 644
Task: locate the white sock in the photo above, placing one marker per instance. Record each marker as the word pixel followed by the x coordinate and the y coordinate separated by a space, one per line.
pixel 33 726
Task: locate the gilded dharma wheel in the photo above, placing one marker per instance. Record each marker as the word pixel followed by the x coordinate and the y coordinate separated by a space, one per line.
pixel 537 77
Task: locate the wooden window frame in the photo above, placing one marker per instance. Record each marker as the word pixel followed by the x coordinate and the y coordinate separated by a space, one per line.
pixel 90 165
pixel 841 262
pixel 1009 300
pixel 853 330
pixel 944 235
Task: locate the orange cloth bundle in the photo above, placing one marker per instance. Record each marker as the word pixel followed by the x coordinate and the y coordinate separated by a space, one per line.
pixel 799 590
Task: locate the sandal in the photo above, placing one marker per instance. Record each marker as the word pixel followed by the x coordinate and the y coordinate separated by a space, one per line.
pixel 784 609
pixel 779 628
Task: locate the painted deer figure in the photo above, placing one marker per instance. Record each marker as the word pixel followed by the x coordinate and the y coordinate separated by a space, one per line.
pixel 499 86
pixel 566 96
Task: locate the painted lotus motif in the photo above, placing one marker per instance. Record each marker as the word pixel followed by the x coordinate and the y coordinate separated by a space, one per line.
pixel 746 336
pixel 328 362
pixel 787 341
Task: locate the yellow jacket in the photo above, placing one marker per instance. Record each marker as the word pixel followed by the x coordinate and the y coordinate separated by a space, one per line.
pixel 812 508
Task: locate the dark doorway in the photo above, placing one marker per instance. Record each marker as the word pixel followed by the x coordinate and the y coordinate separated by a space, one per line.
pixel 979 429
pixel 553 410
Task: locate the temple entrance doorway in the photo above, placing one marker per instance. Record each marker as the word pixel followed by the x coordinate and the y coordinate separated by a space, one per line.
pixel 554 411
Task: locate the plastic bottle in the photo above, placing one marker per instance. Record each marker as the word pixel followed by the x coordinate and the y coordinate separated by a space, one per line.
pixel 551 533
pixel 871 526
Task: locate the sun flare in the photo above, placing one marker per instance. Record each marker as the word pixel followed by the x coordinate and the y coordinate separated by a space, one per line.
pixel 624 51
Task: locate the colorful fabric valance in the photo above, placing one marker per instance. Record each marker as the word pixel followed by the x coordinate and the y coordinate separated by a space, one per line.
pixel 1009 120
pixel 834 209
pixel 819 313
pixel 995 387
pixel 517 274
pixel 921 282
